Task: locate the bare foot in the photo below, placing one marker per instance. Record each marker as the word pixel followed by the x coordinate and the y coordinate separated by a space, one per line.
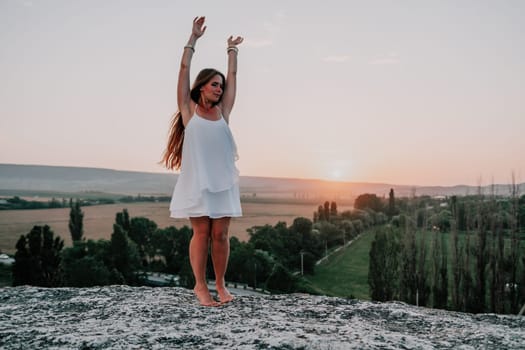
pixel 224 295
pixel 204 296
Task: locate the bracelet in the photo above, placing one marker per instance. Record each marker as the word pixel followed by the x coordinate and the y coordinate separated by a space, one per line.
pixel 190 47
pixel 232 48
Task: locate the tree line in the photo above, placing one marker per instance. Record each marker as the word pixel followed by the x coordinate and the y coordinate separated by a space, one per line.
pixel 461 253
pixel 272 258
pixel 136 245
pixel 16 202
pixel 458 253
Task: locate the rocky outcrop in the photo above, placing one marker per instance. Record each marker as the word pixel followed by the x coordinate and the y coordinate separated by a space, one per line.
pixel 121 317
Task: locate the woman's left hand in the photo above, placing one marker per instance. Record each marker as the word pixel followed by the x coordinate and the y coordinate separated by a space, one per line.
pixel 234 42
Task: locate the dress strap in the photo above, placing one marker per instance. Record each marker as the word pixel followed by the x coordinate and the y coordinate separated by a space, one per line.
pixel 198 115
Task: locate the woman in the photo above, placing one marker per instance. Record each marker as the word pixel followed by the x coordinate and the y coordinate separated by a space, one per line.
pixel 202 146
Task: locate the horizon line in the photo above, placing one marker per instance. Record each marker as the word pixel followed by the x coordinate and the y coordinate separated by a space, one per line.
pixel 262 176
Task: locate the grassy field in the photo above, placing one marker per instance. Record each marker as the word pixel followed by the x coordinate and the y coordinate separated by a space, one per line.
pixel 98 220
pixel 345 273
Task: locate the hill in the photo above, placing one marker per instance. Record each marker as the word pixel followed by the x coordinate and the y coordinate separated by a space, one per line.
pixel 15 177
pixel 122 317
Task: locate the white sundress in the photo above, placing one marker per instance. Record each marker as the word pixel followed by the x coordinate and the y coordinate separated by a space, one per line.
pixel 208 184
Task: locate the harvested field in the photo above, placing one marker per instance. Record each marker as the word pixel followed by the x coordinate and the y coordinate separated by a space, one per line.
pixel 98 220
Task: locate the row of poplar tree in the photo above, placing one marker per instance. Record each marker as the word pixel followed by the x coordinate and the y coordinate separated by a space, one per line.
pixel 463 254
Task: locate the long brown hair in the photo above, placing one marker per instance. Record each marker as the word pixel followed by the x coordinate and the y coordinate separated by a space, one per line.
pixel 172 157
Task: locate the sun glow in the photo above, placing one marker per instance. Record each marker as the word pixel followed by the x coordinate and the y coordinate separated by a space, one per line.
pixel 336 174
pixel 337 170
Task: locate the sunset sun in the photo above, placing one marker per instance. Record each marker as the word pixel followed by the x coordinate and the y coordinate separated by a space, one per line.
pixel 336 174
pixel 337 170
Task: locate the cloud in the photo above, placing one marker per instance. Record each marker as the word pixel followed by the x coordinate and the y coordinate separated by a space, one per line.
pixel 258 43
pixel 391 58
pixel 336 58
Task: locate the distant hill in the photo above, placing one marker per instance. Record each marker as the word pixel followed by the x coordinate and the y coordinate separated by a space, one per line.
pixel 77 179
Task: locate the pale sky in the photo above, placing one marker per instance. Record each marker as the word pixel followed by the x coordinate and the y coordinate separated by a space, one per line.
pixel 403 92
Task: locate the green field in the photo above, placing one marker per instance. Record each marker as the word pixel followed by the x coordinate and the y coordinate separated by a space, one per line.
pixel 345 274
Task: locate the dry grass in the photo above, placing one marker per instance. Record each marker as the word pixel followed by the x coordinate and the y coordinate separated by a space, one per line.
pixel 98 220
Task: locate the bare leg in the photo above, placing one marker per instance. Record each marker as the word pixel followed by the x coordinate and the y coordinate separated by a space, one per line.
pixel 220 252
pixel 199 245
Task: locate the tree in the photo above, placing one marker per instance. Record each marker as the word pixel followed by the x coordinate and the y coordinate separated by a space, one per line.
pixel 408 275
pixel 271 239
pixel 496 257
pixel 479 292
pixel 76 217
pixel 310 243
pixel 172 245
pixel 370 201
pixel 241 265
pixel 122 219
pixel 441 220
pixel 50 257
pixel 391 204
pixel 37 259
pixel 22 265
pixel 522 284
pixel 84 265
pixel 124 255
pixel 444 275
pixel 515 245
pixel 141 231
pixel 457 258
pixel 358 226
pixel 349 229
pixel 376 266
pixel 320 214
pixel 521 225
pixel 330 235
pixel 280 280
pixel 383 266
pixel 521 212
pixel 422 289
pixel 466 277
pixel 439 272
pixel 327 210
pixel 333 209
pixel 461 216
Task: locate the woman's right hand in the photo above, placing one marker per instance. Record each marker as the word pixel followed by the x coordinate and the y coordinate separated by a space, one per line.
pixel 198 26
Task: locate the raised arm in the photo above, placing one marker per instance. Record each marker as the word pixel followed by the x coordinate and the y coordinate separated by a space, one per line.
pixel 228 98
pixel 183 85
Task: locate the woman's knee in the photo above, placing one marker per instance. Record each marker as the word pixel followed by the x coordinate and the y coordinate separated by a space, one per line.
pixel 201 227
pixel 201 235
pixel 219 229
pixel 219 234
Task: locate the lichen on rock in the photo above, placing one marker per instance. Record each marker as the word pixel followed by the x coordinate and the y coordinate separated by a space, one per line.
pixel 122 317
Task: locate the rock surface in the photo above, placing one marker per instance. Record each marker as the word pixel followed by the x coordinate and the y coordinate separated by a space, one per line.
pixel 121 317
